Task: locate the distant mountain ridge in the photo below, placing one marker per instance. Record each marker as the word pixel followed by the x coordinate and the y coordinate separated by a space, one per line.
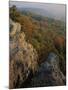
pixel 43 12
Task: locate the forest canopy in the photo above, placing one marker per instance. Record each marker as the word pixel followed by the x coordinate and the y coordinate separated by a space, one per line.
pixel 45 34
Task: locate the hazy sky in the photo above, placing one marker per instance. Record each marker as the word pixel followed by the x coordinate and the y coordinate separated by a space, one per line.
pixel 56 9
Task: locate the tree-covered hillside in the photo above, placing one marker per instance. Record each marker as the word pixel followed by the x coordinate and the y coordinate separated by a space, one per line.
pixel 47 35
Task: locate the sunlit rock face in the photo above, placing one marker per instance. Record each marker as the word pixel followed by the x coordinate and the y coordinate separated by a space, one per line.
pixel 49 73
pixel 23 57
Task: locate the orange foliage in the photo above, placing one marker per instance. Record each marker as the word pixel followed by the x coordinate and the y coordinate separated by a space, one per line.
pixel 27 25
pixel 59 41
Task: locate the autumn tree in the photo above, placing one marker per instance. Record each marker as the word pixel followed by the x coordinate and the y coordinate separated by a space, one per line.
pixel 14 13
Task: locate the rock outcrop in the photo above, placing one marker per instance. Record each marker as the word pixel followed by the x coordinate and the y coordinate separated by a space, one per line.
pixel 49 73
pixel 23 57
pixel 24 70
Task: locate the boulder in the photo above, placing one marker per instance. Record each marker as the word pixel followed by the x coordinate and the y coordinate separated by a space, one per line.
pixel 49 73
